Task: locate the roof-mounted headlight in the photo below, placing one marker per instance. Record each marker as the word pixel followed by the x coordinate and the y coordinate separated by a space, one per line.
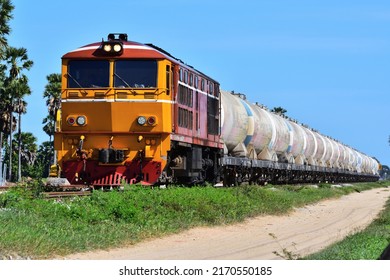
pixel 107 48
pixel 117 48
pixel 112 48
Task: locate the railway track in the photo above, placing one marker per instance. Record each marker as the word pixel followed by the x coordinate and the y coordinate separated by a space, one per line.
pixel 65 194
pixel 57 194
pixel 4 188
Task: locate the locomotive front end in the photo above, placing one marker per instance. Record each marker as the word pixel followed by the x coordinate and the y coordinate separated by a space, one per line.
pixel 114 124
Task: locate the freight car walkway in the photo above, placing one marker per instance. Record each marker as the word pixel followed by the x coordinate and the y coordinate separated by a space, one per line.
pixel 304 231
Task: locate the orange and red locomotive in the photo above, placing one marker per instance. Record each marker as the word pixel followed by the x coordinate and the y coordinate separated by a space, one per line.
pixel 131 112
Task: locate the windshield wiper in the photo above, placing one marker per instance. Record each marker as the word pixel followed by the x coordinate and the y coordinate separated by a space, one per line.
pixel 120 78
pixel 130 88
pixel 74 80
pixel 80 86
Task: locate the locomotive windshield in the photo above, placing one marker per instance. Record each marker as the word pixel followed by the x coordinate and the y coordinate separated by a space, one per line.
pixel 88 73
pixel 135 73
pixel 127 74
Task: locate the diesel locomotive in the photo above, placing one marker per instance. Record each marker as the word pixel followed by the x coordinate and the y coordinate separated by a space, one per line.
pixel 133 113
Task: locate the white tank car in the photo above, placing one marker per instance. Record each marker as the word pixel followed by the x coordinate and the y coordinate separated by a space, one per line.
pixel 251 131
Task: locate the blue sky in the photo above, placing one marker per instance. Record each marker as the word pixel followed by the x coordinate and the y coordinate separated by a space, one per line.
pixel 326 62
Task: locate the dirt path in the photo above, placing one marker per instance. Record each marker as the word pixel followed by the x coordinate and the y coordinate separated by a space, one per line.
pixel 304 231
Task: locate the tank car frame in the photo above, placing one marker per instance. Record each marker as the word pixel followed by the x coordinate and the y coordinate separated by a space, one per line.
pixel 260 172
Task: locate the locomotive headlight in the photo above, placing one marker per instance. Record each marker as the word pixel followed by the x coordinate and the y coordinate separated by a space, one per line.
pixel 107 47
pixel 141 120
pixel 117 47
pixel 81 120
pixel 112 48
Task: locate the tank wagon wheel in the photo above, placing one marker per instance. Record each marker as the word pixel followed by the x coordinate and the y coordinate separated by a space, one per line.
pixel 230 177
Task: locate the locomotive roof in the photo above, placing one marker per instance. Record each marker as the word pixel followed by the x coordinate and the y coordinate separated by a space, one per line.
pixel 131 50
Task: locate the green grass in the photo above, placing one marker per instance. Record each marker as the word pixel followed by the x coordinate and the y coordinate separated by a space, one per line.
pixel 364 245
pixel 43 228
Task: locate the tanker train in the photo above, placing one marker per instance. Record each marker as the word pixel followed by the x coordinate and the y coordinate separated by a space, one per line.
pixel 132 113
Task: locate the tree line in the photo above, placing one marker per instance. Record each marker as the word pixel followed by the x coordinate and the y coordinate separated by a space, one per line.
pixel 20 155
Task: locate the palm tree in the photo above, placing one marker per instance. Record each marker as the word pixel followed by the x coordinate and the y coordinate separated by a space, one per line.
pixel 6 9
pixel 279 110
pixel 43 161
pixel 17 88
pixel 18 61
pixel 52 94
pixel 28 148
pixel 20 108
